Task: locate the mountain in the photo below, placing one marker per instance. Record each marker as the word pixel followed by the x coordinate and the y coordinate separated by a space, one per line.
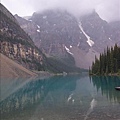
pixel 57 32
pixel 99 31
pixel 18 46
pixel 53 31
pixel 52 38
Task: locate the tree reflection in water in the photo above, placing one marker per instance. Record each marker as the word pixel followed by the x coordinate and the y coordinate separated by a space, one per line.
pixel 35 91
pixel 107 86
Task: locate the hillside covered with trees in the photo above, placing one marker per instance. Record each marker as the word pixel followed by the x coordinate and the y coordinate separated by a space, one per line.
pixel 108 62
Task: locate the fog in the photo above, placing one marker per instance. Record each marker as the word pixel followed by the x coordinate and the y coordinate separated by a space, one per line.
pixel 107 9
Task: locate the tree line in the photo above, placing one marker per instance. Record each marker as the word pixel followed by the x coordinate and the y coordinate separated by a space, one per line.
pixel 108 62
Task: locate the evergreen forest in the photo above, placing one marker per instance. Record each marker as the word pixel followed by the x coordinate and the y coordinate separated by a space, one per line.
pixel 108 62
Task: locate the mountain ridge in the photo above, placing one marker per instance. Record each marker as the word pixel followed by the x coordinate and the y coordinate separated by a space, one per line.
pixel 56 32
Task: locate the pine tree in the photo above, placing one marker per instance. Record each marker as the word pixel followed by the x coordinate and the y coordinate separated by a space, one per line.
pixel 108 62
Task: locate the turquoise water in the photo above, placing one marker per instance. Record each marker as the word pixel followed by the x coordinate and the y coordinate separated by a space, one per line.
pixel 61 98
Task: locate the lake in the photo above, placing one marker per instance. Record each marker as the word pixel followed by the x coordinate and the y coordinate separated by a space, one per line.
pixel 72 97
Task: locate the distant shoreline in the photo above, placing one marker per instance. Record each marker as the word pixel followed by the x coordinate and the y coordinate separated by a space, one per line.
pixel 115 74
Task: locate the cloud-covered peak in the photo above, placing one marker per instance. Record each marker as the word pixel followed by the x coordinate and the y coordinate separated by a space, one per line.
pixel 107 9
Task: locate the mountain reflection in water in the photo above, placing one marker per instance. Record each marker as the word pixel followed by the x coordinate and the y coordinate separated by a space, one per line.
pixel 74 97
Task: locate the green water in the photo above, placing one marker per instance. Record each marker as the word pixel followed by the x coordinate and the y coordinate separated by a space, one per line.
pixel 61 98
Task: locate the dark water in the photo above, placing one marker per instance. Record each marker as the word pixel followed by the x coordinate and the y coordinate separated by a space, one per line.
pixel 61 98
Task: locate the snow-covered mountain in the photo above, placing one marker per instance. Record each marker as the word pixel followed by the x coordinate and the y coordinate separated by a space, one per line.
pixel 58 32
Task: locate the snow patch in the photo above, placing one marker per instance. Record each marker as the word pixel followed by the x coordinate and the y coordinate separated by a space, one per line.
pixel 68 50
pixel 38 30
pixel 38 26
pixel 110 39
pixel 70 46
pixel 78 44
pixel 89 41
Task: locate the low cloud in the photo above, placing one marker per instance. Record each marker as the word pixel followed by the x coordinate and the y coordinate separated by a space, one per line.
pixel 107 9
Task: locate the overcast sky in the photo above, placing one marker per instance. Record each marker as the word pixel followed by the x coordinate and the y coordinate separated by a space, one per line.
pixel 108 10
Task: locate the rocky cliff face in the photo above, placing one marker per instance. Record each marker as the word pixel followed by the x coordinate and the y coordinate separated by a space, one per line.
pixel 16 44
pixel 58 32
